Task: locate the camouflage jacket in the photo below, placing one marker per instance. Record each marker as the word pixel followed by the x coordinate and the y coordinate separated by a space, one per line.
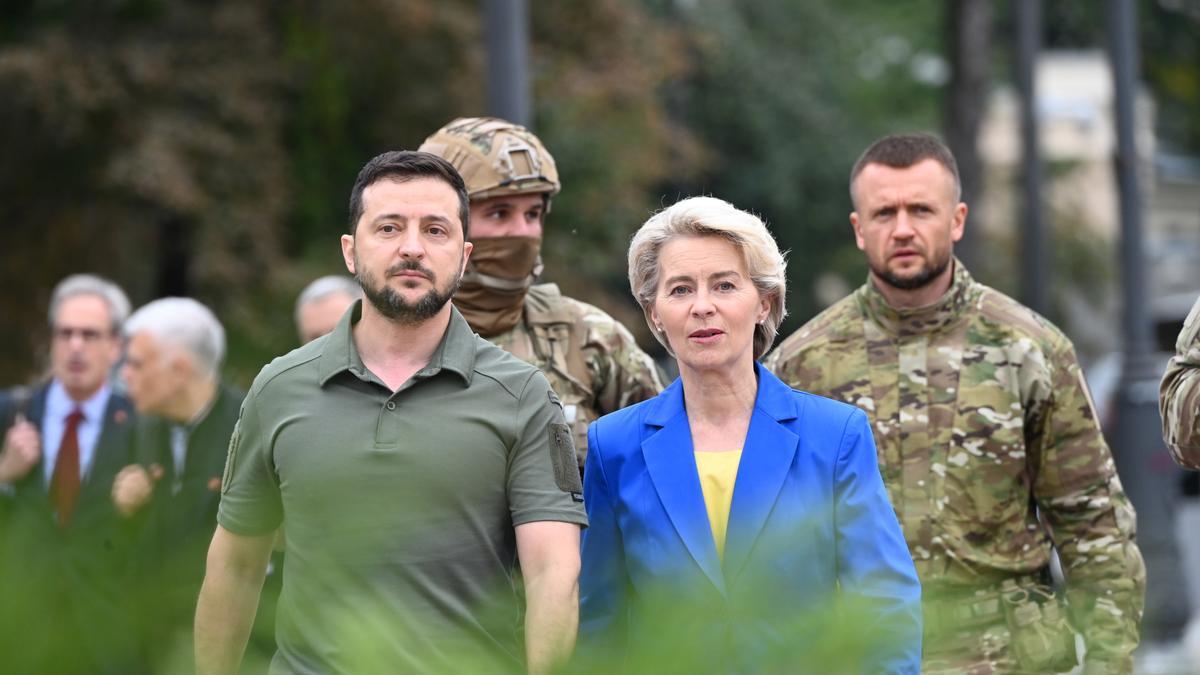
pixel 1179 397
pixel 988 444
pixel 592 361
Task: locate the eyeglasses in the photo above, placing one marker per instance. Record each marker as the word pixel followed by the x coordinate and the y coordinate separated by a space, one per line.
pixel 65 334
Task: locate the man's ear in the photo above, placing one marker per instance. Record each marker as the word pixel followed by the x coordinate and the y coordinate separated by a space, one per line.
pixel 959 222
pixel 856 225
pixel 467 248
pixel 348 252
pixel 181 364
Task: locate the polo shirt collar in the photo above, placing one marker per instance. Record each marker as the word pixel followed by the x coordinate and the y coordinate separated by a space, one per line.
pixel 455 352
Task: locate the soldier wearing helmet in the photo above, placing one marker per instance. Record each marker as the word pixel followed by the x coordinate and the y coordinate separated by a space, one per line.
pixel 591 360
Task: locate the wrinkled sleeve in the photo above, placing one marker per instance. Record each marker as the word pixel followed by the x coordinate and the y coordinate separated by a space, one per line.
pixel 630 375
pixel 1179 396
pixel 251 504
pixel 875 570
pixel 543 479
pixel 1090 518
pixel 603 581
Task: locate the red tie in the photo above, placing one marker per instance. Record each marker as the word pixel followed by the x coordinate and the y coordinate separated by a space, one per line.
pixel 64 483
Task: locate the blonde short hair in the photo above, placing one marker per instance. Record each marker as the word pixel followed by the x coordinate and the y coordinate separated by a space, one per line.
pixel 711 217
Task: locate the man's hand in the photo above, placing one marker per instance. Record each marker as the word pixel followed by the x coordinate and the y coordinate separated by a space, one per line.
pixel 133 487
pixel 22 450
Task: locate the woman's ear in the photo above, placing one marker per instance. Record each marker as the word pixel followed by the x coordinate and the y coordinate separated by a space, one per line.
pixel 653 313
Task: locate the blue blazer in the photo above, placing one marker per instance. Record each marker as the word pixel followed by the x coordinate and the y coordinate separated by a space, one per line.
pixel 812 545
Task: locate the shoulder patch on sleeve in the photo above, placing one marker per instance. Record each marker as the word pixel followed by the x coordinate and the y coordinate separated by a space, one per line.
pixel 231 458
pixel 562 454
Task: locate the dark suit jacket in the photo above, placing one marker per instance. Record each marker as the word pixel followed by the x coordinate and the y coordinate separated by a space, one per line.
pixel 190 513
pixel 113 451
pixel 71 577
pixel 176 527
pixel 811 537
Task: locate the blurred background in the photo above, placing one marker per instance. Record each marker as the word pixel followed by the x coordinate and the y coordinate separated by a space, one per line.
pixel 207 148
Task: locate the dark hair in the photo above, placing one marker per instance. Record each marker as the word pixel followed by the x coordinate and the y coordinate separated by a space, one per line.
pixel 406 165
pixel 901 151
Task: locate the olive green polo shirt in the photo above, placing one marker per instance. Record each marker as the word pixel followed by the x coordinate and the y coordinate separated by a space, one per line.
pixel 399 507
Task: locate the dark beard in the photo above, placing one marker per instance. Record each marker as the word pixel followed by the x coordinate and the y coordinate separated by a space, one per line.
pixel 390 304
pixel 919 280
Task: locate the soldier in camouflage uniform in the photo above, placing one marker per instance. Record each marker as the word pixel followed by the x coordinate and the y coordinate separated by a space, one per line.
pixel 591 360
pixel 987 438
pixel 1179 397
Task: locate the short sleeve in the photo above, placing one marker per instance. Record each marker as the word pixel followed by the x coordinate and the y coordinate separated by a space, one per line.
pixel 543 475
pixel 250 498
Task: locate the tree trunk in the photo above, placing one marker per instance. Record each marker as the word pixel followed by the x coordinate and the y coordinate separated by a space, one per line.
pixel 969 48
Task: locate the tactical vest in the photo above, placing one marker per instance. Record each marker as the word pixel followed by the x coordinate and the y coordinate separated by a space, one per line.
pixel 557 332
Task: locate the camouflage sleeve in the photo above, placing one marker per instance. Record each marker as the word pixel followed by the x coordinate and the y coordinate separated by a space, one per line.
pixel 1179 396
pixel 1091 520
pixel 787 363
pixel 629 375
pixel 801 360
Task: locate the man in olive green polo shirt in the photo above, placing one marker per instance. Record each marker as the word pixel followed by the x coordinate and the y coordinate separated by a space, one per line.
pixel 410 461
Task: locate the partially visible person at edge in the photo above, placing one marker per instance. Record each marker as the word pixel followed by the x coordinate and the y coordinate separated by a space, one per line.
pixel 731 512
pixel 412 463
pixel 186 417
pixel 322 303
pixel 1179 397
pixel 987 437
pixel 62 548
pixel 591 360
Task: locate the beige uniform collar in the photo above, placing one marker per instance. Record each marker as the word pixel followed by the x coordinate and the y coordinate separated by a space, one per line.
pixel 920 320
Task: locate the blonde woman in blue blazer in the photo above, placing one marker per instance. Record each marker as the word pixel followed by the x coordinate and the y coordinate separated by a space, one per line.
pixel 736 525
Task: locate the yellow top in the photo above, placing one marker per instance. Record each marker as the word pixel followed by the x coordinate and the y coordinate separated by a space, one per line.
pixel 718 472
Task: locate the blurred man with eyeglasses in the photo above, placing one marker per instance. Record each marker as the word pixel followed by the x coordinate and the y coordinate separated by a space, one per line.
pixel 62 549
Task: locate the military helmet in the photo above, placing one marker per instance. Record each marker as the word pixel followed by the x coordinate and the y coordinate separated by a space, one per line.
pixel 495 157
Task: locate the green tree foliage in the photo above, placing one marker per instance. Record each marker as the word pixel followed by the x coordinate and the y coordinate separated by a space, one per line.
pixel 785 96
pixel 132 129
pixel 1171 41
pixel 209 148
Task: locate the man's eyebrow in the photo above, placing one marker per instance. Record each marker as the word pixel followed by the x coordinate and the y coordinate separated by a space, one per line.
pixel 398 216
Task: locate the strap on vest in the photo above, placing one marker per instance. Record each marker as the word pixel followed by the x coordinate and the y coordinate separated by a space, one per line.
pixel 555 328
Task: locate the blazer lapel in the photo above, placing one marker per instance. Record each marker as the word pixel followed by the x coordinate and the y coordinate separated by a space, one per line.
pixel 767 457
pixel 35 410
pixel 112 450
pixel 668 454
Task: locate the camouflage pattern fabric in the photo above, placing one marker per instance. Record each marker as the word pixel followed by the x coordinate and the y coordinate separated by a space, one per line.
pixel 989 446
pixel 1179 397
pixel 592 361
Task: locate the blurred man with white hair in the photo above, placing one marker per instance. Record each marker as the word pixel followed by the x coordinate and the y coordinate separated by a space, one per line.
pixel 175 351
pixel 322 303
